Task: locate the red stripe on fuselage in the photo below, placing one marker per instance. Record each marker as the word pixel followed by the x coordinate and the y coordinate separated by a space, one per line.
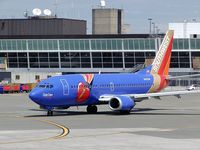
pixel 164 67
pixel 166 70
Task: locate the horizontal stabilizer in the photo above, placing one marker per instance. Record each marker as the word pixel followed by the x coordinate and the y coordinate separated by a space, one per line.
pixel 184 76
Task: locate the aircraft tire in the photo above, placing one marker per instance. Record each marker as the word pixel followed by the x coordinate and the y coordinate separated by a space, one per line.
pixel 91 109
pixel 41 107
pixel 125 112
pixel 49 113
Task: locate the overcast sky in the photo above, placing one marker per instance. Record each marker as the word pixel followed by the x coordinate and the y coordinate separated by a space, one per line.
pixel 136 12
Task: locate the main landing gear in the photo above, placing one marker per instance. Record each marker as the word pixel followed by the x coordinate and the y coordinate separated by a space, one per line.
pixel 49 113
pixel 91 109
pixel 125 112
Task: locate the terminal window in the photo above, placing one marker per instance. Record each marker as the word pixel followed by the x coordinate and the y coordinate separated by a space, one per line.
pixel 17 77
pixel 37 77
pixel 48 76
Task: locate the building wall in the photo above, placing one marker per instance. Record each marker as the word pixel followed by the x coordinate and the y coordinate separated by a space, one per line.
pixel 106 21
pixel 31 77
pixel 55 26
pixel 196 62
pixel 186 29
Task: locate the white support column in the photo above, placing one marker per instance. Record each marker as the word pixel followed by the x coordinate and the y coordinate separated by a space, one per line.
pixel 27 50
pixel 123 59
pixel 59 59
pixel 91 64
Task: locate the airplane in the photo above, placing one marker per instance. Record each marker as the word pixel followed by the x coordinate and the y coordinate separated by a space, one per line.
pixel 120 91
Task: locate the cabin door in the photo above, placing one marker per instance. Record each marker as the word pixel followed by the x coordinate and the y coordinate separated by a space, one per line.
pixel 65 86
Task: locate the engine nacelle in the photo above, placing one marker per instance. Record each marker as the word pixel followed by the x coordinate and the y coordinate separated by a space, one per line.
pixel 121 103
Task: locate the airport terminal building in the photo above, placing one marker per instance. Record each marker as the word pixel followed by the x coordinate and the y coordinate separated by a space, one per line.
pixel 28 60
pixel 27 57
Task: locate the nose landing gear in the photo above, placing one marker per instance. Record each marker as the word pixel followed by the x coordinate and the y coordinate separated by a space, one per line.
pixel 49 110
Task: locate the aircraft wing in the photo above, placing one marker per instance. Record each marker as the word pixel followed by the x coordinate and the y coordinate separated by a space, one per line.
pixel 162 94
pixel 140 97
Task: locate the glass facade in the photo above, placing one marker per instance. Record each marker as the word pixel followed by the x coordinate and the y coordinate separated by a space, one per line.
pixel 134 58
pixel 182 44
pixel 42 45
pixel 92 53
pixel 16 60
pixel 89 59
pixel 74 44
pixel 180 60
pixel 44 60
pixel 94 44
pixel 107 60
pixel 79 44
pixel 75 60
pixel 13 45
pixel 145 44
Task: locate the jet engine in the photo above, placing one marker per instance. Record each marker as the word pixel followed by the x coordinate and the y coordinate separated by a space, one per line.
pixel 121 103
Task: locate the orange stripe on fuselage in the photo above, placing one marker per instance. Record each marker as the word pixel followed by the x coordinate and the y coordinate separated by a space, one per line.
pixel 166 70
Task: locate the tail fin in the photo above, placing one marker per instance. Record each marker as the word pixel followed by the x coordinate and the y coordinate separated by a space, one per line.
pixel 161 62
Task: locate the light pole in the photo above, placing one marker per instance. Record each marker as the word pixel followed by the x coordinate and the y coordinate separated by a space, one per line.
pixel 153 23
pixel 150 19
pixel 156 30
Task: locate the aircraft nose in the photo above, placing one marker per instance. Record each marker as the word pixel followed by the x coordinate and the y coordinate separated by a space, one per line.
pixel 34 96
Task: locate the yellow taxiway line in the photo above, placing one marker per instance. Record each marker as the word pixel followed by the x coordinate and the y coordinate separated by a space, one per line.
pixel 65 132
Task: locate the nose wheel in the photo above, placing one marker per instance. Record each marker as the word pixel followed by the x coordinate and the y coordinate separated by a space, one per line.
pixel 49 113
pixel 91 109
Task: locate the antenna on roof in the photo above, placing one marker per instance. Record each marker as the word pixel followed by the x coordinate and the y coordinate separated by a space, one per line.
pixel 36 12
pixel 56 7
pixel 26 14
pixel 103 3
pixel 47 12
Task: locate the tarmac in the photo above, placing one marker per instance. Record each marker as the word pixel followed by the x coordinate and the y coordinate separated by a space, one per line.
pixel 168 124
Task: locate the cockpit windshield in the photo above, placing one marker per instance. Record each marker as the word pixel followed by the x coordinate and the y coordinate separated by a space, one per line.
pixel 41 86
pixel 45 86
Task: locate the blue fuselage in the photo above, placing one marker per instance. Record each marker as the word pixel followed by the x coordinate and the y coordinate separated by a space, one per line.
pixel 73 90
